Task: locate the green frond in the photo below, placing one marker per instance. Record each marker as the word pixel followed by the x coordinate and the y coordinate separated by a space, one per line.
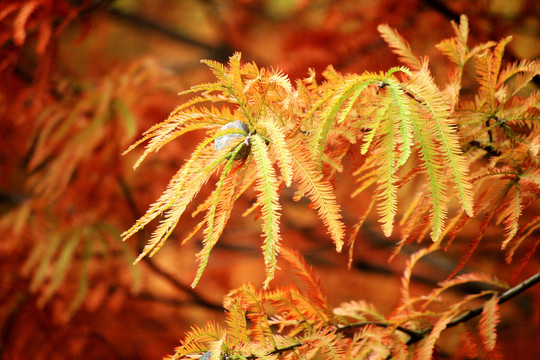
pixel 402 114
pixel 442 128
pixel 436 182
pixel 374 126
pixel 349 91
pixel 280 148
pixel 400 46
pixel 319 191
pixel 268 198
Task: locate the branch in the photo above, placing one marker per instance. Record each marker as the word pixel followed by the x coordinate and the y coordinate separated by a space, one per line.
pixel 409 332
pixel 416 336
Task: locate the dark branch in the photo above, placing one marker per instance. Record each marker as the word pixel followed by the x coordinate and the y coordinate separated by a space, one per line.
pixel 466 316
pixel 409 332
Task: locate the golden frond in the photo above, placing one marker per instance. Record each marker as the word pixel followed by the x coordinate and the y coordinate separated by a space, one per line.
pixel 319 191
pixel 198 339
pixel 400 46
pixel 268 199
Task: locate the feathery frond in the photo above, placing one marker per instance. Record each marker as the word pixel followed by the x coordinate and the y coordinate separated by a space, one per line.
pixel 268 200
pixel 319 191
pixel 400 46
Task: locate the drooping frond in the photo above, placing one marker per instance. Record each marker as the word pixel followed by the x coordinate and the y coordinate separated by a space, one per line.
pixel 510 210
pixel 218 214
pixel 525 231
pixel 387 191
pixel 443 130
pixel 175 189
pixel 319 191
pixel 182 188
pixel 268 199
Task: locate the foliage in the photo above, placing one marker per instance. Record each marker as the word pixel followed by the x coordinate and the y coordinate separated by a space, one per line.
pixel 406 129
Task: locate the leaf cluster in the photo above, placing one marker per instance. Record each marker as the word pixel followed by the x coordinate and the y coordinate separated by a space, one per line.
pixel 394 130
pixel 403 124
pixel 294 323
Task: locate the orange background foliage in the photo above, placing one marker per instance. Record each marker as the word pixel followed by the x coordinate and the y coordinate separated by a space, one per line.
pixel 80 80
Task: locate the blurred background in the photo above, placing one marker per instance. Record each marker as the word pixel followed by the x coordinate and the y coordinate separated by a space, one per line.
pixel 81 80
